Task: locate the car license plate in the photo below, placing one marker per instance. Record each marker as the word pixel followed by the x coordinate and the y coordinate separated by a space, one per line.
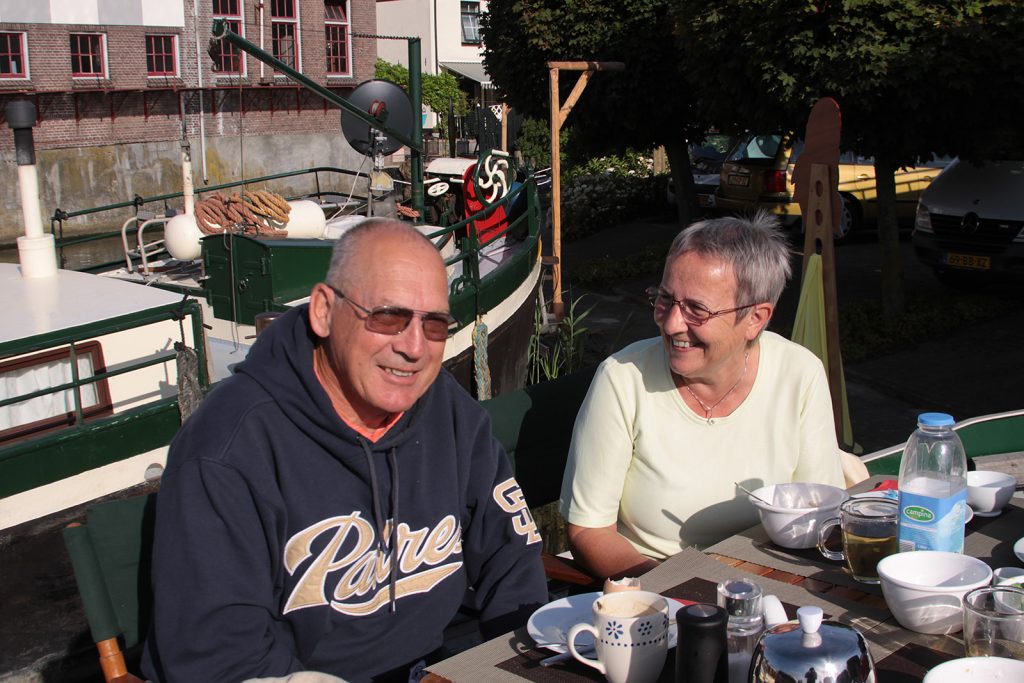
pixel 968 261
pixel 741 180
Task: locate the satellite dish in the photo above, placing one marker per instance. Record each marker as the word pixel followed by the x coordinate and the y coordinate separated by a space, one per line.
pixel 386 102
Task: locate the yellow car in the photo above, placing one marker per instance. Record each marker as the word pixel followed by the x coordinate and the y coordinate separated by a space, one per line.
pixel 758 174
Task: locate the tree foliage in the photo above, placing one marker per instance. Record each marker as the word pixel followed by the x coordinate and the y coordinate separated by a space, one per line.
pixel 912 78
pixel 646 105
pixel 438 90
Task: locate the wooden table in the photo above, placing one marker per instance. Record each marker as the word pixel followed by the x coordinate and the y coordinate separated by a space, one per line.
pixel 796 577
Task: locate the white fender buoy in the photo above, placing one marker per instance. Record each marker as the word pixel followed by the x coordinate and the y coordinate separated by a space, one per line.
pixel 182 237
pixel 306 220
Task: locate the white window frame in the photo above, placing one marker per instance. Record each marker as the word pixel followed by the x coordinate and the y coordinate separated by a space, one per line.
pixel 103 49
pixel 346 27
pixel 24 58
pixel 243 65
pixel 174 50
pixel 462 21
pixel 297 24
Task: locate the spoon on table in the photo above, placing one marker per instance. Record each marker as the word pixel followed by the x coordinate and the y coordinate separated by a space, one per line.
pixel 750 493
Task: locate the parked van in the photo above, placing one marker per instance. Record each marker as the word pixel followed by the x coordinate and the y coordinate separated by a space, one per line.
pixel 758 174
pixel 970 221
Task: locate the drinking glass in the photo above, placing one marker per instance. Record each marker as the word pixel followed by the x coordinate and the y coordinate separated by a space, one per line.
pixel 869 530
pixel 994 622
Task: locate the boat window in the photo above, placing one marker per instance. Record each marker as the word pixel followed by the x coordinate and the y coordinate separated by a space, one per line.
pixel 56 409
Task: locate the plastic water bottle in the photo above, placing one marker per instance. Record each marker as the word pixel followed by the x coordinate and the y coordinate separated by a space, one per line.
pixel 933 487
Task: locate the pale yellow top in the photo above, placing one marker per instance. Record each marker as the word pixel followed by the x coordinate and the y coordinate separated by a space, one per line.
pixel 641 457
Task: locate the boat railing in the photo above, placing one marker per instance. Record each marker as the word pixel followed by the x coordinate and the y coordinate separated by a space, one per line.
pixel 472 245
pixel 72 340
pixel 144 250
pixel 138 204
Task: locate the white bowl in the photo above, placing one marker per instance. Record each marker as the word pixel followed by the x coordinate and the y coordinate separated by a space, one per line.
pixel 1008 576
pixel 796 511
pixel 969 669
pixel 924 589
pixel 988 492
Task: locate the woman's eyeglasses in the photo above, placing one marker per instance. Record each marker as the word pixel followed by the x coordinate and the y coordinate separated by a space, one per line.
pixel 693 312
pixel 437 326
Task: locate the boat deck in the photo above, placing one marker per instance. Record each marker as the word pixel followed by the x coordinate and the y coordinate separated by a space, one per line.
pixel 70 299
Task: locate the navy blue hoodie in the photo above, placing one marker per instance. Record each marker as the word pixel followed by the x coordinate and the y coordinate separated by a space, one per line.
pixel 285 541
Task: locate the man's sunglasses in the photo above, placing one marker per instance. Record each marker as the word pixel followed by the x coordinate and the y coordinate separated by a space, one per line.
pixel 437 326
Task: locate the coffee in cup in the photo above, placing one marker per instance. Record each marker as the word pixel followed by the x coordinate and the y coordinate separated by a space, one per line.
pixel 630 630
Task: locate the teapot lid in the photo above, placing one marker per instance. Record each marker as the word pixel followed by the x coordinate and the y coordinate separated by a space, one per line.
pixel 812 649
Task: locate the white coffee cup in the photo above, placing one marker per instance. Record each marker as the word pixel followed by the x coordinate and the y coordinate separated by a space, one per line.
pixel 630 630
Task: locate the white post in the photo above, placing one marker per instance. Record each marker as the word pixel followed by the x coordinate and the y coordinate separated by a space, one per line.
pixel 36 249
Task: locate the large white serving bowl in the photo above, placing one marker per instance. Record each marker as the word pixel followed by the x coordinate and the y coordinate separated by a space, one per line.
pixel 794 512
pixel 988 492
pixel 924 589
pixel 970 669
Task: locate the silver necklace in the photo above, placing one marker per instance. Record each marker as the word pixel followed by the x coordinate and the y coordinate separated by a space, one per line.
pixel 706 407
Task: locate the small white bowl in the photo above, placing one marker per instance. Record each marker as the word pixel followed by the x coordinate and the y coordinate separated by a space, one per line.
pixel 1008 576
pixel 924 589
pixel 968 669
pixel 988 492
pixel 796 511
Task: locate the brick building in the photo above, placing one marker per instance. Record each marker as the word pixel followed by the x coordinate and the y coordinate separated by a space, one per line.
pixel 119 84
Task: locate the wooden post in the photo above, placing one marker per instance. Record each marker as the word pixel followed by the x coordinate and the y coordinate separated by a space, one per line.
pixel 818 240
pixel 559 113
pixel 504 127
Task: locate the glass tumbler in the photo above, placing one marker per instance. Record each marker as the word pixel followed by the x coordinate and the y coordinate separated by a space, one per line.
pixel 994 622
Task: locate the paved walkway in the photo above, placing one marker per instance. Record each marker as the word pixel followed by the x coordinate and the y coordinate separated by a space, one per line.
pixel 974 371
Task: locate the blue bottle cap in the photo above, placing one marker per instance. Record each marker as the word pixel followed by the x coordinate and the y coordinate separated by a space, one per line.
pixel 935 420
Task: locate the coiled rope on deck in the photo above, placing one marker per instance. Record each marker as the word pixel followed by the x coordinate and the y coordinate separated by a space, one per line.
pixel 251 213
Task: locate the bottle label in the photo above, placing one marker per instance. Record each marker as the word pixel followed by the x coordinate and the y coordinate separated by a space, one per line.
pixel 928 523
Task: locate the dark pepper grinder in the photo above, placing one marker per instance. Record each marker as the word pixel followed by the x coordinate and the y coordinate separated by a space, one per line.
pixel 702 653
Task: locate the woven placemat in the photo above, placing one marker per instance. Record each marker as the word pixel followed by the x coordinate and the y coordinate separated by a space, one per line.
pixel 909 664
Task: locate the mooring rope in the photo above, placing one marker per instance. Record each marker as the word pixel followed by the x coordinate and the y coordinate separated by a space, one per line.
pixel 190 395
pixel 481 369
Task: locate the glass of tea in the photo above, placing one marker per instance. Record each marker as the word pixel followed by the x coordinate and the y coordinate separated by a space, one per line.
pixel 994 622
pixel 869 533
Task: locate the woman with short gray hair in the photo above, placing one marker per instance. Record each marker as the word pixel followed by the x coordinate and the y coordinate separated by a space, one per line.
pixel 670 424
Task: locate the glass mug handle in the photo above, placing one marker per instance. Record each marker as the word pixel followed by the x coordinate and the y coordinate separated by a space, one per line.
pixel 823 534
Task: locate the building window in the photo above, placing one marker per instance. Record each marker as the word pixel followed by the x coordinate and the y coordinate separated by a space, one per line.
pixel 471 23
pixel 162 55
pixel 227 59
pixel 54 409
pixel 336 28
pixel 284 27
pixel 12 56
pixel 88 58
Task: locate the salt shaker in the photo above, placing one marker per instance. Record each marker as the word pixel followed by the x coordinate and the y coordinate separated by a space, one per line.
pixel 742 601
pixel 701 654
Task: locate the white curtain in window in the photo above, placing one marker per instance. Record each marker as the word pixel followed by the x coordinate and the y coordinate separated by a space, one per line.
pixel 34 378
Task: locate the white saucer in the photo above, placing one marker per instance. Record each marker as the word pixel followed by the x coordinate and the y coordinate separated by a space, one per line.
pixel 1018 549
pixel 550 624
pixel 994 513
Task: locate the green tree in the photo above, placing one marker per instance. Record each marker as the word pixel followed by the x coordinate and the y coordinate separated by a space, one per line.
pixel 912 77
pixel 645 106
pixel 438 90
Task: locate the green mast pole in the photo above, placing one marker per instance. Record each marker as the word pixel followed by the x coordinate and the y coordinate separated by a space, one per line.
pixel 416 149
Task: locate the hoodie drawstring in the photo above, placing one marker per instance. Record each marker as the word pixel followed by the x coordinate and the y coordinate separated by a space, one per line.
pixel 379 519
pixel 392 537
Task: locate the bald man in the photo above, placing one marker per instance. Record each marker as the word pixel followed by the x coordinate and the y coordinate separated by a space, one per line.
pixel 327 507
